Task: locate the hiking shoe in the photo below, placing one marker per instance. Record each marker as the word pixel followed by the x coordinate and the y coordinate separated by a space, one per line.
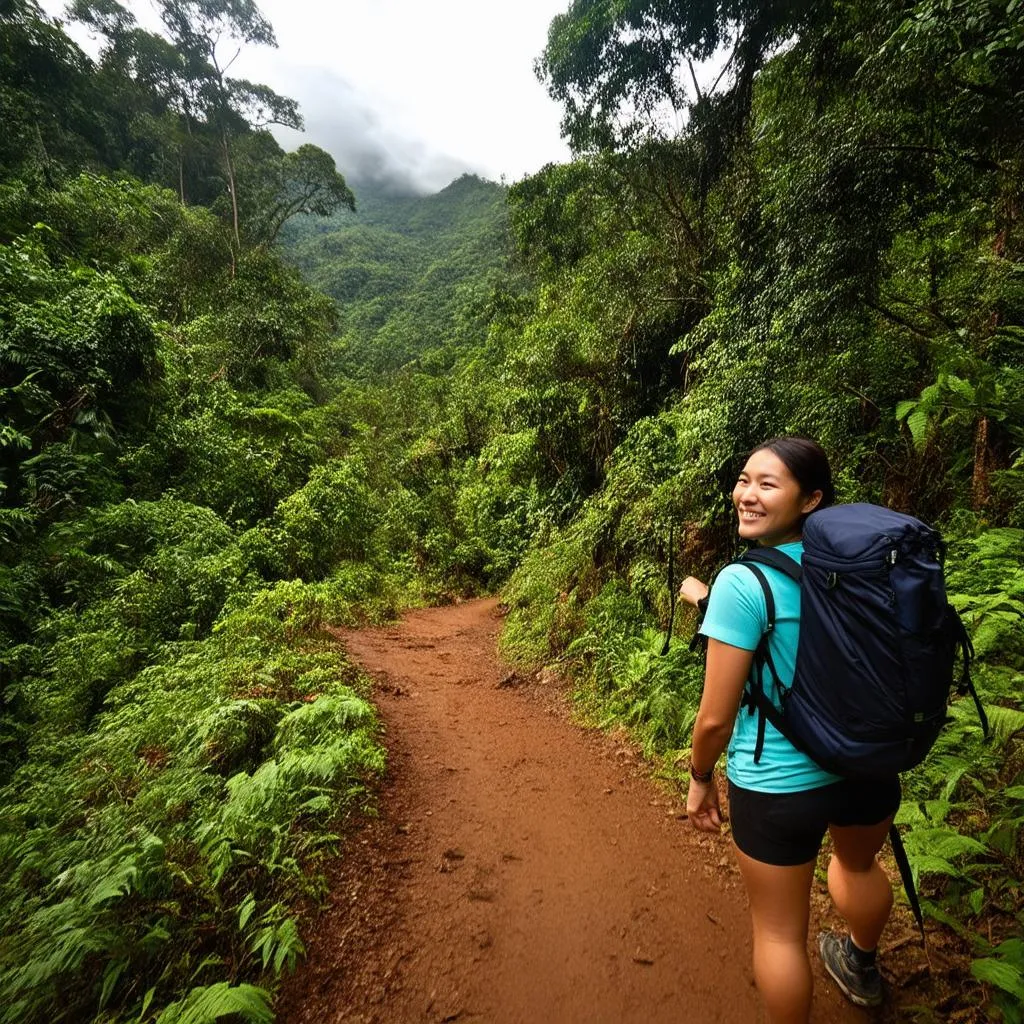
pixel 861 985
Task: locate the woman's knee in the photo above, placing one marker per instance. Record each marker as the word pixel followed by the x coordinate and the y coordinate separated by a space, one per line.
pixel 779 899
pixel 853 865
pixel 856 847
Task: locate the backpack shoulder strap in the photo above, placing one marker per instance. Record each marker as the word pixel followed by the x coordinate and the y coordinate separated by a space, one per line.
pixel 899 854
pixel 756 699
pixel 776 559
pixel 769 597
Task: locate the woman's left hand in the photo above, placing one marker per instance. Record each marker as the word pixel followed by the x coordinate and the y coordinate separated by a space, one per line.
pixel 702 806
pixel 693 590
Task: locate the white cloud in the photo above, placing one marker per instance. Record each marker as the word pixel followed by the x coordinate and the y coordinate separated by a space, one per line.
pixel 452 77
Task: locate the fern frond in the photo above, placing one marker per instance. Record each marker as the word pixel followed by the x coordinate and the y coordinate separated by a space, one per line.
pixel 212 1002
pixel 918 423
pixel 323 719
pixel 1005 723
pixel 942 842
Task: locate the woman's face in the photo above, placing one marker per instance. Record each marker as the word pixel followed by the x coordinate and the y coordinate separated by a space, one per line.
pixel 769 502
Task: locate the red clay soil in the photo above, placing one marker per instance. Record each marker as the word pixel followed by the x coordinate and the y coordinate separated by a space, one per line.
pixel 522 868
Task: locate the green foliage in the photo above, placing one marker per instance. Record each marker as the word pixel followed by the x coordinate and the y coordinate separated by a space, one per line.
pixel 1004 970
pixel 277 186
pixel 212 1002
pixel 400 269
pixel 209 778
pixel 48 98
pixel 952 401
pixel 989 568
pixel 77 362
pixel 627 676
pixel 622 71
pixel 162 754
pixel 327 520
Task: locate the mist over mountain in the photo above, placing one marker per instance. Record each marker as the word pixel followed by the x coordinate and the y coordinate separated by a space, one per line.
pixel 372 156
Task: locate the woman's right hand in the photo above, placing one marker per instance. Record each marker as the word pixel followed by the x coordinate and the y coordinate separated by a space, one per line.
pixel 693 590
pixel 702 806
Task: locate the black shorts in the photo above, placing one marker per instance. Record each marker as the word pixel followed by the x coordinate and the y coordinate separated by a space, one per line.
pixel 787 828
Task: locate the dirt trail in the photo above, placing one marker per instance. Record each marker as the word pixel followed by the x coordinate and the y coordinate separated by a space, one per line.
pixel 522 868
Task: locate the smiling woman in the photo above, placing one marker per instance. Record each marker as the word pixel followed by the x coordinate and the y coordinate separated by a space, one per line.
pixel 781 801
pixel 770 502
pixel 783 481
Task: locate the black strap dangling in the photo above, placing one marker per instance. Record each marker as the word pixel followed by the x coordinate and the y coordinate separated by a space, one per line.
pixel 671 590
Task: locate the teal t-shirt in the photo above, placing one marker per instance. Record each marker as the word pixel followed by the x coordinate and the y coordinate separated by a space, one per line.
pixel 737 616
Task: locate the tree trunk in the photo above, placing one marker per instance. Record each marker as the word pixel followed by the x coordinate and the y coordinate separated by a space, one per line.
pixel 231 186
pixel 980 490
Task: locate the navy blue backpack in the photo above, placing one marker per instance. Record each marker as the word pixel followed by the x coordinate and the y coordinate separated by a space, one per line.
pixel 877 650
pixel 878 643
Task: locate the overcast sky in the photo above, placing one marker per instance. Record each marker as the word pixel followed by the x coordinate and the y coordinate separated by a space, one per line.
pixel 411 92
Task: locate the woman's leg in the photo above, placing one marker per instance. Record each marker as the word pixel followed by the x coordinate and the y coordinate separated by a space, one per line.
pixel 779 909
pixel 859 887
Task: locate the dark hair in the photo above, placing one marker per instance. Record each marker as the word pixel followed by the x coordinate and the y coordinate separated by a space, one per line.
pixel 808 463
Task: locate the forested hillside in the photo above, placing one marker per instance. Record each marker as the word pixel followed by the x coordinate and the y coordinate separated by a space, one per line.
pixel 237 410
pixel 402 267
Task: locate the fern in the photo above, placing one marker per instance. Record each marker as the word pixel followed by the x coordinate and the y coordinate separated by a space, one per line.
pixel 236 733
pixel 944 843
pixel 1005 723
pixel 320 720
pixel 276 940
pixel 185 834
pixel 212 1002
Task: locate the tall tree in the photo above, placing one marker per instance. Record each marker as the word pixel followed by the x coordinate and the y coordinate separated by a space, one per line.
pixel 151 121
pixel 210 35
pixel 48 106
pixel 628 71
pixel 281 185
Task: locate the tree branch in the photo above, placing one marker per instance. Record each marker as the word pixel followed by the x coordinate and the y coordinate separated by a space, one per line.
pixel 693 78
pixel 726 66
pixel 897 319
pixel 227 67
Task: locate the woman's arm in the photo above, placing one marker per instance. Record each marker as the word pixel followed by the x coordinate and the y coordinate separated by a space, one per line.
pixel 724 678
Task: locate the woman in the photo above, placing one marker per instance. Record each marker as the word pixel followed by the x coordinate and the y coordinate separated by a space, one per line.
pixel 781 806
